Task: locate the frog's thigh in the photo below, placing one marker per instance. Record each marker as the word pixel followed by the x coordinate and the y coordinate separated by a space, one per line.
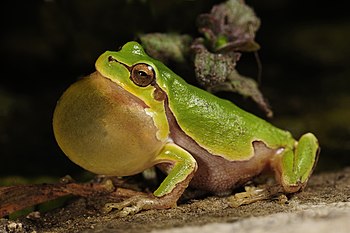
pixel 294 167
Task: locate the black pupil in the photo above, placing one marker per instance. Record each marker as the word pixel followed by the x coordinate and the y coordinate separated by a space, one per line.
pixel 142 73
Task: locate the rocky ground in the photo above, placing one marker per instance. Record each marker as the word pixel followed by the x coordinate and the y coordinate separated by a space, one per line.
pixel 324 206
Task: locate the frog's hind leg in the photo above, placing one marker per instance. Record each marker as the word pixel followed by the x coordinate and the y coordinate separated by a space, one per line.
pixel 293 166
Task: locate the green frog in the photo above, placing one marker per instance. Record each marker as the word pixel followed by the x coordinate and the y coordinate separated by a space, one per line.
pixel 134 113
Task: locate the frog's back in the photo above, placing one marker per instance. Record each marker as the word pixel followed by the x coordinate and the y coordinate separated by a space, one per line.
pixel 218 125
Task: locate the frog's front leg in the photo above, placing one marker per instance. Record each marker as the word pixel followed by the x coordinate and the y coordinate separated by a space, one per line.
pixel 182 168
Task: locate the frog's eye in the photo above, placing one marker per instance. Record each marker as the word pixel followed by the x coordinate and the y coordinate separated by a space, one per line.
pixel 142 74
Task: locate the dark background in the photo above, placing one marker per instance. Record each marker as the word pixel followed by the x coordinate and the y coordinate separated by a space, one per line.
pixel 47 45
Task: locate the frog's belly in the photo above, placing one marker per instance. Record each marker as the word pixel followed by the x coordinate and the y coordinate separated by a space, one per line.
pixel 220 176
pixel 216 174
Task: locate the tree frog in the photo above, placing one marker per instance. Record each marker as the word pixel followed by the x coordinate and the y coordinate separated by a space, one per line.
pixel 134 113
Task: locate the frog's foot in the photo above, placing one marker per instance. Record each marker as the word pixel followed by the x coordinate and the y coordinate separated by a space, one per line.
pixel 254 194
pixel 136 204
pixel 293 167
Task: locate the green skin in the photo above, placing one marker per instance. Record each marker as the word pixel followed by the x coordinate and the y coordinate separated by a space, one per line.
pixel 190 129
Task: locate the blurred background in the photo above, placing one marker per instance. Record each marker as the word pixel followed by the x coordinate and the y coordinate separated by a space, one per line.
pixel 46 45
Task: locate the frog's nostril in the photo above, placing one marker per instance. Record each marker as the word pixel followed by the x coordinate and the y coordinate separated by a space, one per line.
pixel 111 59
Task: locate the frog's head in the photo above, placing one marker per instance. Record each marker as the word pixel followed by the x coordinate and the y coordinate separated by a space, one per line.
pixel 132 69
pixel 140 75
pixel 113 122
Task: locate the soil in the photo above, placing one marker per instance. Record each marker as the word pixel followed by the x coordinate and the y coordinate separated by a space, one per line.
pixel 83 215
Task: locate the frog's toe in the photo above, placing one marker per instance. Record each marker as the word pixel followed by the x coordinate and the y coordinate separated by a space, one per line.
pixel 129 211
pixel 254 194
pixel 110 206
pixel 133 205
pixel 129 206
